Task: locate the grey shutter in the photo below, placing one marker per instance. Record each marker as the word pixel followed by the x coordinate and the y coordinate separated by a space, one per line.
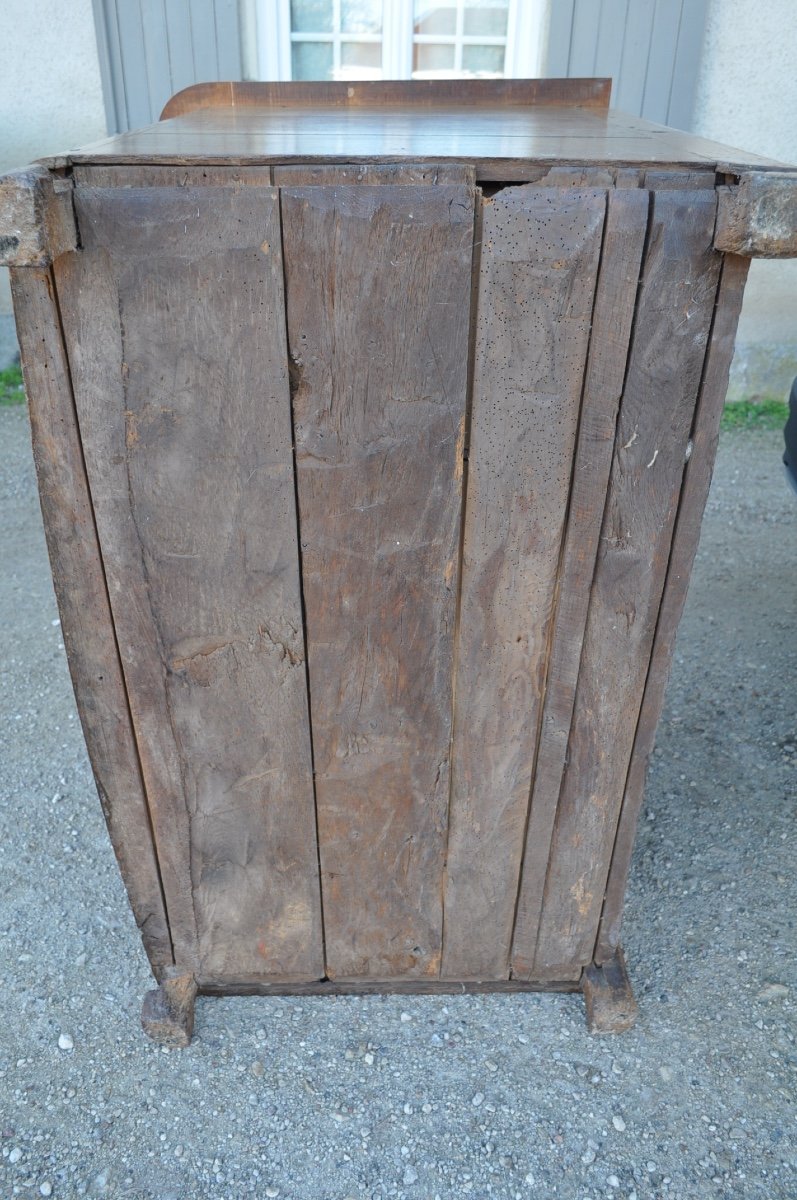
pixel 650 48
pixel 150 49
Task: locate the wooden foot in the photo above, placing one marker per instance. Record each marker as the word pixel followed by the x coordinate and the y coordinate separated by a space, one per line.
pixel 167 1015
pixel 611 1007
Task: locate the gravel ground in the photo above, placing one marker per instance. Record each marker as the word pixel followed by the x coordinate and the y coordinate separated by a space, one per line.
pixel 491 1096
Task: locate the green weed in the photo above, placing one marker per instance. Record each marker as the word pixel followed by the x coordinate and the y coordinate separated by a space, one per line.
pixel 764 413
pixel 11 387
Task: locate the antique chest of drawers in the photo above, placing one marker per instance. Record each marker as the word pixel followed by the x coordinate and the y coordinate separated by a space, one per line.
pixel 373 427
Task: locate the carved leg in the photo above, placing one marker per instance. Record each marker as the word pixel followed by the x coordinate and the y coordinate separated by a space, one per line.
pixel 611 1007
pixel 168 1012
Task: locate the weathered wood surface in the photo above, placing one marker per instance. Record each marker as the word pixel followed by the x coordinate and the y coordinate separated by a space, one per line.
pixel 36 219
pixel 539 261
pixel 609 997
pixel 167 1016
pixel 326 174
pixel 671 329
pixel 694 493
pixel 417 93
pixel 389 987
pixel 378 289
pixel 174 315
pixel 109 175
pixel 758 216
pixel 502 140
pixel 623 241
pixel 80 589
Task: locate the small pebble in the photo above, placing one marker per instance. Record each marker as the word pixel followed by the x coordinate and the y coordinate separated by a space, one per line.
pixel 773 991
pixel 257 1069
pixel 405 1017
pixel 65 1042
pixel 15 1155
pixel 410 1176
pixel 618 1123
pixel 588 1157
pixel 369 1059
pixel 666 1074
pixel 46 1188
pixel 613 1181
pixel 272 1191
pixel 478 1100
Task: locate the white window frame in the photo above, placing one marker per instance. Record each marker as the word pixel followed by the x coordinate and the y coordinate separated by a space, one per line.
pixel 525 38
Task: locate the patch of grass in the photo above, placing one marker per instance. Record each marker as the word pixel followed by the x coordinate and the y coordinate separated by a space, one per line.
pixel 12 390
pixel 763 413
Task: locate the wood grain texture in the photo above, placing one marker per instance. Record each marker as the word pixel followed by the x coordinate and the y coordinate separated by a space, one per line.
pixel 405 172
pixel 671 329
pixel 758 217
pixel 503 142
pixel 539 262
pixel 378 290
pixel 80 589
pixel 587 93
pixel 36 219
pixel 177 344
pixel 105 175
pixel 694 493
pixel 624 237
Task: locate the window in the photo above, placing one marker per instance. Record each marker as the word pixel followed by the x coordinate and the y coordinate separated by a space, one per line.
pixel 398 39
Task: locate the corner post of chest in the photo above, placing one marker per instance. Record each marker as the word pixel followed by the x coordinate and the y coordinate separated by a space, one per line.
pixel 608 995
pixel 167 1015
pixel 37 220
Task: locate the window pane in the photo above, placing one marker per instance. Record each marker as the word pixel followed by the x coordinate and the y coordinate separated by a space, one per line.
pixel 483 59
pixel 361 16
pixel 311 60
pixel 435 18
pixel 432 58
pixel 486 18
pixel 360 60
pixel 311 16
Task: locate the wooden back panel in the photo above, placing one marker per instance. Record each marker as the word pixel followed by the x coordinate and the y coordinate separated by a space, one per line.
pixel 477 643
pixel 174 315
pixel 416 93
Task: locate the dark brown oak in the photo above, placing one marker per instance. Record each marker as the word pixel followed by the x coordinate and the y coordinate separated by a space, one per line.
pixel 326 174
pixel 624 237
pixel 671 330
pixel 609 999
pixel 587 93
pixel 387 987
pixel 378 287
pixel 161 175
pixel 363 415
pixel 539 262
pixel 175 326
pixel 502 142
pixel 82 596
pixel 694 494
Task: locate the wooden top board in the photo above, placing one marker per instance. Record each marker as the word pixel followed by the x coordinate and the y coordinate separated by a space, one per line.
pixel 501 126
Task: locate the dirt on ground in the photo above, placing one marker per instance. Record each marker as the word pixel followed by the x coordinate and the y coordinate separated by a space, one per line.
pixel 424 1097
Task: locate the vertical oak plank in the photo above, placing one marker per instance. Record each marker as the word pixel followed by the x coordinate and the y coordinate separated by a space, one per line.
pixel 378 289
pixel 671 331
pixel 82 596
pixel 624 238
pixel 539 262
pixel 697 479
pixel 175 319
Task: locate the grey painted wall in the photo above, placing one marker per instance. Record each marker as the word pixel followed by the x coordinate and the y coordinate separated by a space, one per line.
pixel 650 48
